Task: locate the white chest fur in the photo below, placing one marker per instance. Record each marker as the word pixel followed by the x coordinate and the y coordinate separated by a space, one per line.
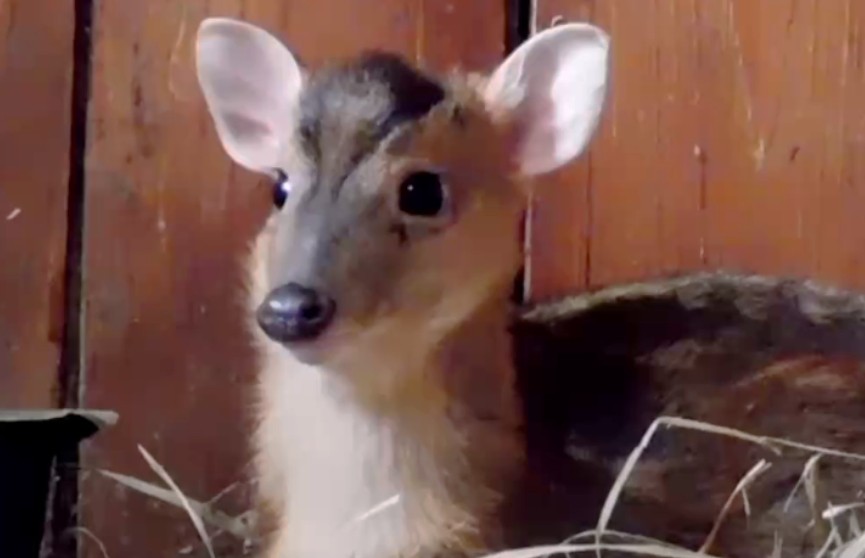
pixel 350 482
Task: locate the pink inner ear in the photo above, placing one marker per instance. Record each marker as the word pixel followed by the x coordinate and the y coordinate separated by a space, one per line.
pixel 246 130
pixel 251 142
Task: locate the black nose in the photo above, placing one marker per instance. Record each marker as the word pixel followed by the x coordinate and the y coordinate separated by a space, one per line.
pixel 295 313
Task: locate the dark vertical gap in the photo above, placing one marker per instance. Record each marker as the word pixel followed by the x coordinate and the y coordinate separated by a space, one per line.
pixel 518 290
pixel 64 505
pixel 518 20
pixel 71 350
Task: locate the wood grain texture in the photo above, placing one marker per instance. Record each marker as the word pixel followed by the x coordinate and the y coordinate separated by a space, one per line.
pixel 169 219
pixel 35 88
pixel 732 139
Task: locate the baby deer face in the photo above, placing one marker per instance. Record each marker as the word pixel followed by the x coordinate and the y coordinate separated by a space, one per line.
pixel 397 195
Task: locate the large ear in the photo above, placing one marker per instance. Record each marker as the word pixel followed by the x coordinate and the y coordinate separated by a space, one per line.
pixel 251 83
pixel 552 89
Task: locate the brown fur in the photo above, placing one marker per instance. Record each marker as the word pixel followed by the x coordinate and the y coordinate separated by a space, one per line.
pixel 770 356
pixel 380 412
pixel 409 393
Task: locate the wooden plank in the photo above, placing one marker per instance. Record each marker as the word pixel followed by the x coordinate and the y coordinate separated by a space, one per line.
pixel 634 199
pixel 731 140
pixel 35 88
pixel 168 221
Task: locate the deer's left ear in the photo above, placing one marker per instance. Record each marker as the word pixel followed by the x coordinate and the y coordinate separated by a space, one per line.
pixel 552 89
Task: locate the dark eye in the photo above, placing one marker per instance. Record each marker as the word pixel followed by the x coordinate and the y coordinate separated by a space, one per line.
pixel 422 194
pixel 281 189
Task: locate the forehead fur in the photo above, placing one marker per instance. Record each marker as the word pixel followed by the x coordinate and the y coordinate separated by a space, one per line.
pixel 347 110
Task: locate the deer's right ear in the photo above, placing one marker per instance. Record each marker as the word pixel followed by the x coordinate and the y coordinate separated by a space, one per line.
pixel 251 83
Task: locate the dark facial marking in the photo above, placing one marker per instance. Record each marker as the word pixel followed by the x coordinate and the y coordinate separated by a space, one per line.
pixel 414 94
pixel 354 106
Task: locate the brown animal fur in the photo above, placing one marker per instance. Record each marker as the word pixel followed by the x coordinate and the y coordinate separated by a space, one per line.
pixel 410 391
pixel 744 351
pixel 382 283
pixel 434 421
pixel 771 356
pixel 424 417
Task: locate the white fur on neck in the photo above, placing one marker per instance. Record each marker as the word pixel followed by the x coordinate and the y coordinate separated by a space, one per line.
pixel 331 446
pixel 339 461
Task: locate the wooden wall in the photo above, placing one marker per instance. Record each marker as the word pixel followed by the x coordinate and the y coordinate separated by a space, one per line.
pixel 35 106
pixel 732 139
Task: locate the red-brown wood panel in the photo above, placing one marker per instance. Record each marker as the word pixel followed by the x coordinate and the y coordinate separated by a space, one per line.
pixel 169 219
pixel 35 103
pixel 732 138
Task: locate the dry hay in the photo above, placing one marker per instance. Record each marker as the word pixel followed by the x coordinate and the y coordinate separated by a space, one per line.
pixel 838 522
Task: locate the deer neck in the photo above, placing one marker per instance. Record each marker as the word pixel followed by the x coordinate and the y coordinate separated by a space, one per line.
pixel 464 364
pixel 429 423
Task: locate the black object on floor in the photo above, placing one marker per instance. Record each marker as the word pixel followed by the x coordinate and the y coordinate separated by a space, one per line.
pixel 29 443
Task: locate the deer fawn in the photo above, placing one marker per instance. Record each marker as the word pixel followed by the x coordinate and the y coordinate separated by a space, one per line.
pixel 381 282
